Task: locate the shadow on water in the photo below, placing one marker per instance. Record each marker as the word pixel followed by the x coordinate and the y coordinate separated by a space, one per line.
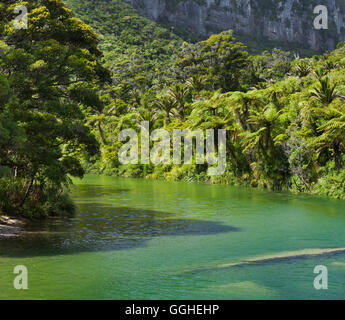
pixel 98 227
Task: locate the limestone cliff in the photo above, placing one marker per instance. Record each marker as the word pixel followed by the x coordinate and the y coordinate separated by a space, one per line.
pixel 289 21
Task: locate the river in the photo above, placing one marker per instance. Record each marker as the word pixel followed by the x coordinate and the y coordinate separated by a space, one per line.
pixel 142 239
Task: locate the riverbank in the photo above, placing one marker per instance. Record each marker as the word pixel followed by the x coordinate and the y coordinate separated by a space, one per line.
pixel 331 184
pixel 10 227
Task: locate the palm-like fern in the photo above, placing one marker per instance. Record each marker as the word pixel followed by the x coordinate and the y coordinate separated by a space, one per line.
pixel 167 105
pixel 326 92
pixel 332 134
pixel 179 95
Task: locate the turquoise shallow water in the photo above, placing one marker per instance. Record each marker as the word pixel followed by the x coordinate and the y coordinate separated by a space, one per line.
pixel 140 239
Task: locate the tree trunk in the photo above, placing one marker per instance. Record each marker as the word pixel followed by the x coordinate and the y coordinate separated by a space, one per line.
pixel 167 119
pixel 101 133
pixel 28 190
pixel 337 155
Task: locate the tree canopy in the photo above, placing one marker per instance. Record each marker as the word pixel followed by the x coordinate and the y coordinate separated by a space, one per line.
pixel 49 73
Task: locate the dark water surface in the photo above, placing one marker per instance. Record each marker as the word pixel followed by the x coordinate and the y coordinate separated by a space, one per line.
pixel 139 239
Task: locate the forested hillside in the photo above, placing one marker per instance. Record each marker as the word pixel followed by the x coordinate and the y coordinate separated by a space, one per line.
pixel 63 104
pixel 279 111
pixel 284 117
pixel 136 49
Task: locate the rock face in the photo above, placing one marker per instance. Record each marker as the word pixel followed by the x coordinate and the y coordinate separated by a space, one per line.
pixel 269 20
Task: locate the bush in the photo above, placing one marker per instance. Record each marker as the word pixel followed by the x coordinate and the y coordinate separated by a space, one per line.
pixel 39 203
pixel 11 190
pixel 332 185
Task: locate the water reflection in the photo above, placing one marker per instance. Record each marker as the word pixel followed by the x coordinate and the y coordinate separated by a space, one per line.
pixel 89 191
pixel 100 227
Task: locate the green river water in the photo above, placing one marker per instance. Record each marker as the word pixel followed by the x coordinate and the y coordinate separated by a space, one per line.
pixel 141 239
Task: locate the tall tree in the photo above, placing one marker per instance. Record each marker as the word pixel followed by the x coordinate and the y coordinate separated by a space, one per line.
pixel 49 75
pixel 220 59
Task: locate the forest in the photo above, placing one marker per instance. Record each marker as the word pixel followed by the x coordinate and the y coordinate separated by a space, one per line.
pixel 83 71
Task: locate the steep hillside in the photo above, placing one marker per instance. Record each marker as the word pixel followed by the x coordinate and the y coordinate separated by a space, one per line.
pixel 136 49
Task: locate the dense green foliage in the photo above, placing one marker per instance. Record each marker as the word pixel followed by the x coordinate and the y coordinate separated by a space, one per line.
pixel 285 117
pixel 48 75
pixel 136 49
pixel 284 120
pixel 280 114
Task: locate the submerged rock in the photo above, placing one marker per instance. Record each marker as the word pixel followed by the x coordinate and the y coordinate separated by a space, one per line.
pixel 244 289
pixel 278 257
